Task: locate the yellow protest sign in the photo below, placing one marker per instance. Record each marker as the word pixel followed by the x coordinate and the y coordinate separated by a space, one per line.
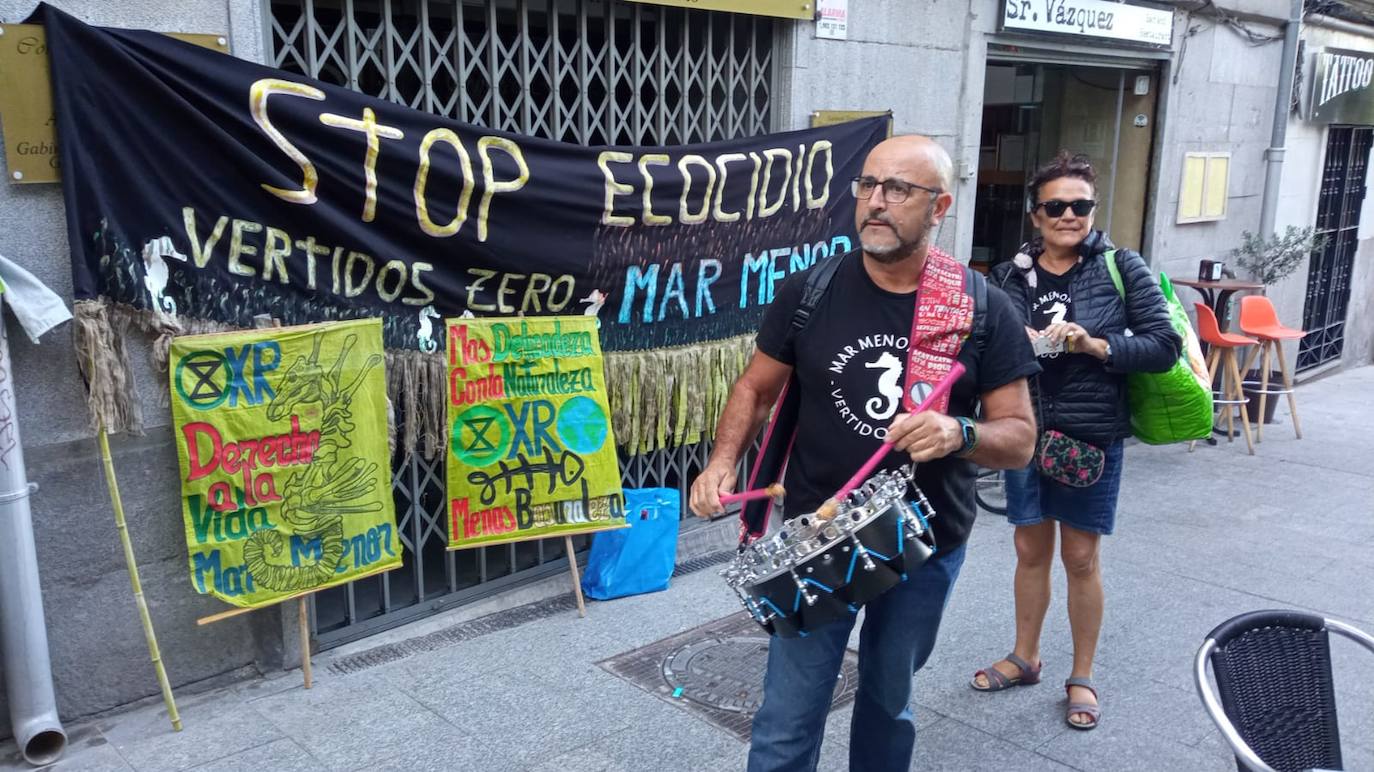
pixel 530 448
pixel 285 471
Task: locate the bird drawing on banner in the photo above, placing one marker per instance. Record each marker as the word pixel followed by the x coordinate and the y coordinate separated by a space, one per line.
pixel 155 275
pixel 425 337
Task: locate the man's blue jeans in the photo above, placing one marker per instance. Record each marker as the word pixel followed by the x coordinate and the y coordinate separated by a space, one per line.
pixel 897 637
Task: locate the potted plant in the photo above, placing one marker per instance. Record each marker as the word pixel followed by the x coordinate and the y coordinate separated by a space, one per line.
pixel 1270 260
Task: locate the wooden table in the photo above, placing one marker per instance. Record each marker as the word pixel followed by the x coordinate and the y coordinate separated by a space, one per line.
pixel 1217 294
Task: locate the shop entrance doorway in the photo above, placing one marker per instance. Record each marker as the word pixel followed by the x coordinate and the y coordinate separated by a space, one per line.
pixel 1033 109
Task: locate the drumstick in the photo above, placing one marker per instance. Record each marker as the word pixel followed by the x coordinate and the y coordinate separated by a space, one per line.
pixel 774 491
pixel 831 507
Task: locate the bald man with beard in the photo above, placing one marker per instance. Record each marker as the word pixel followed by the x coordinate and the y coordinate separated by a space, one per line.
pixel 844 365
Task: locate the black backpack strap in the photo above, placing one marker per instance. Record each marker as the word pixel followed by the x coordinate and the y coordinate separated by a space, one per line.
pixel 976 284
pixel 816 285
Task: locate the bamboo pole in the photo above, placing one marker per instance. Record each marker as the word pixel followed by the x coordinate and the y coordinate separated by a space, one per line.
pixel 147 620
pixel 305 644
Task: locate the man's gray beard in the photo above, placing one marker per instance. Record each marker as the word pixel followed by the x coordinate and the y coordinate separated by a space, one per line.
pixel 890 255
pixel 899 252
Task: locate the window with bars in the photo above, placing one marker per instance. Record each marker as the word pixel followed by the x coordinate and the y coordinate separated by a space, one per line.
pixel 590 72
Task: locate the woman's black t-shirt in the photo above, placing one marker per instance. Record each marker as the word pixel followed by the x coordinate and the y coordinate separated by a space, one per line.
pixel 1052 303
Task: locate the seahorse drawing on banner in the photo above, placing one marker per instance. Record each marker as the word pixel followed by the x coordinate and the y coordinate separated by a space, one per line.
pixel 155 255
pixel 317 497
pixel 594 302
pixel 425 337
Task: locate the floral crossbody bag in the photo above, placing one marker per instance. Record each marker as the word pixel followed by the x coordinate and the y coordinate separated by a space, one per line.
pixel 1068 461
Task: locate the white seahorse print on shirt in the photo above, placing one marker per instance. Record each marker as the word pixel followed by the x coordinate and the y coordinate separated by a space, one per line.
pixel 883 407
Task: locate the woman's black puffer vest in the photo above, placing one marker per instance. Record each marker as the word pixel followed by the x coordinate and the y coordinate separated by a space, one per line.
pixel 1091 402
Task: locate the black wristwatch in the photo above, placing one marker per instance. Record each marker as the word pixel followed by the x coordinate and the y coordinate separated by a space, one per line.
pixel 969 431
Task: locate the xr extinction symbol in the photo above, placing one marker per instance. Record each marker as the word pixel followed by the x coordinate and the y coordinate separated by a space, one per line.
pixel 210 377
pixel 481 435
pixel 480 426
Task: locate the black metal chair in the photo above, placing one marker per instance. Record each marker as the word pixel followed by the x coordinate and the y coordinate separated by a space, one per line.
pixel 1277 699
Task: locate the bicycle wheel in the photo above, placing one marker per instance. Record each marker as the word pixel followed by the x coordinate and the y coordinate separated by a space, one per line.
pixel 990 491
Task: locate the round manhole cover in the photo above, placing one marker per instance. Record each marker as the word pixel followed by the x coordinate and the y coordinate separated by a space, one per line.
pixel 723 673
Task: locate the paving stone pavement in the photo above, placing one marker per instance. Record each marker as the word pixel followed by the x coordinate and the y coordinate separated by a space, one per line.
pixel 1201 537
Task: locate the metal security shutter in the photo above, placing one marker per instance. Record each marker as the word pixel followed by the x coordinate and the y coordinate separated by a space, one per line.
pixel 591 72
pixel 584 71
pixel 1073 55
pixel 1338 219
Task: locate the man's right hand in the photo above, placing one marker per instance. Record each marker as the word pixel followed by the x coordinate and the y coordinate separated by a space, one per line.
pixel 714 481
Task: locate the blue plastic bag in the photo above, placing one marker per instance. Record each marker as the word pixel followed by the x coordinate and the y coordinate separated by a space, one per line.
pixel 641 558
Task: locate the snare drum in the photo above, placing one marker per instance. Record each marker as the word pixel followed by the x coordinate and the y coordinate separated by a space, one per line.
pixel 812 572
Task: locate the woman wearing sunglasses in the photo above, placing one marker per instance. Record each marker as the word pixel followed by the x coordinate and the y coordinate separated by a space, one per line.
pixel 1077 320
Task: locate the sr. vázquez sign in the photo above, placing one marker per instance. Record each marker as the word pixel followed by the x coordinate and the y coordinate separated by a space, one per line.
pixel 1341 90
pixel 1090 18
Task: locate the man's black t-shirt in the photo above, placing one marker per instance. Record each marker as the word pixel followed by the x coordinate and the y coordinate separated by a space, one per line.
pixel 850 363
pixel 1052 303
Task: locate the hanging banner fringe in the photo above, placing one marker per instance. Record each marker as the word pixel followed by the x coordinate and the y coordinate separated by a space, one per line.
pixel 673 396
pixel 104 363
pixel 415 382
pixel 659 399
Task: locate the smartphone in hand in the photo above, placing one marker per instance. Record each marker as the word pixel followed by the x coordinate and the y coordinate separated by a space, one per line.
pixel 1043 345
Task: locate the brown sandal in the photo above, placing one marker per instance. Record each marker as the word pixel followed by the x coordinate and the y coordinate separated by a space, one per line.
pixel 1094 712
pixel 997 680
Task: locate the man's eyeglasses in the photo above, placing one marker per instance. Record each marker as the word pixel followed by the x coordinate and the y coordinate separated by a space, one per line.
pixel 895 191
pixel 1055 208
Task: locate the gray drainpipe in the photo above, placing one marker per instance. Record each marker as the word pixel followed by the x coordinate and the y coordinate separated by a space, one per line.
pixel 23 633
pixel 1274 154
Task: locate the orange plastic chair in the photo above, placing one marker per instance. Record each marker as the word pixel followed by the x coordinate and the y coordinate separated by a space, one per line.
pixel 1259 319
pixel 1222 352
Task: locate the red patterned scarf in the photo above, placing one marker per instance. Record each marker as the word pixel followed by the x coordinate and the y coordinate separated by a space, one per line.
pixel 944 318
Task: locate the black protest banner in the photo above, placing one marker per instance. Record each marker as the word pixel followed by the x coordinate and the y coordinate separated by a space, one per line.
pixel 203 191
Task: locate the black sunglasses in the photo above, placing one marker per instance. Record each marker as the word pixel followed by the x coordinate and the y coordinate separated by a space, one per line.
pixel 1055 208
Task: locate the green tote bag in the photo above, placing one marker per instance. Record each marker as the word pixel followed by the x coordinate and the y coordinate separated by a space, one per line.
pixel 1175 405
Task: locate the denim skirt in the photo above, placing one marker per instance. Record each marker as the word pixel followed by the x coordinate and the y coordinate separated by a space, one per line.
pixel 1032 497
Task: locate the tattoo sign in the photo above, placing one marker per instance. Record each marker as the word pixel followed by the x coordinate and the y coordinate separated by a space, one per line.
pixel 530 450
pixel 285 473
